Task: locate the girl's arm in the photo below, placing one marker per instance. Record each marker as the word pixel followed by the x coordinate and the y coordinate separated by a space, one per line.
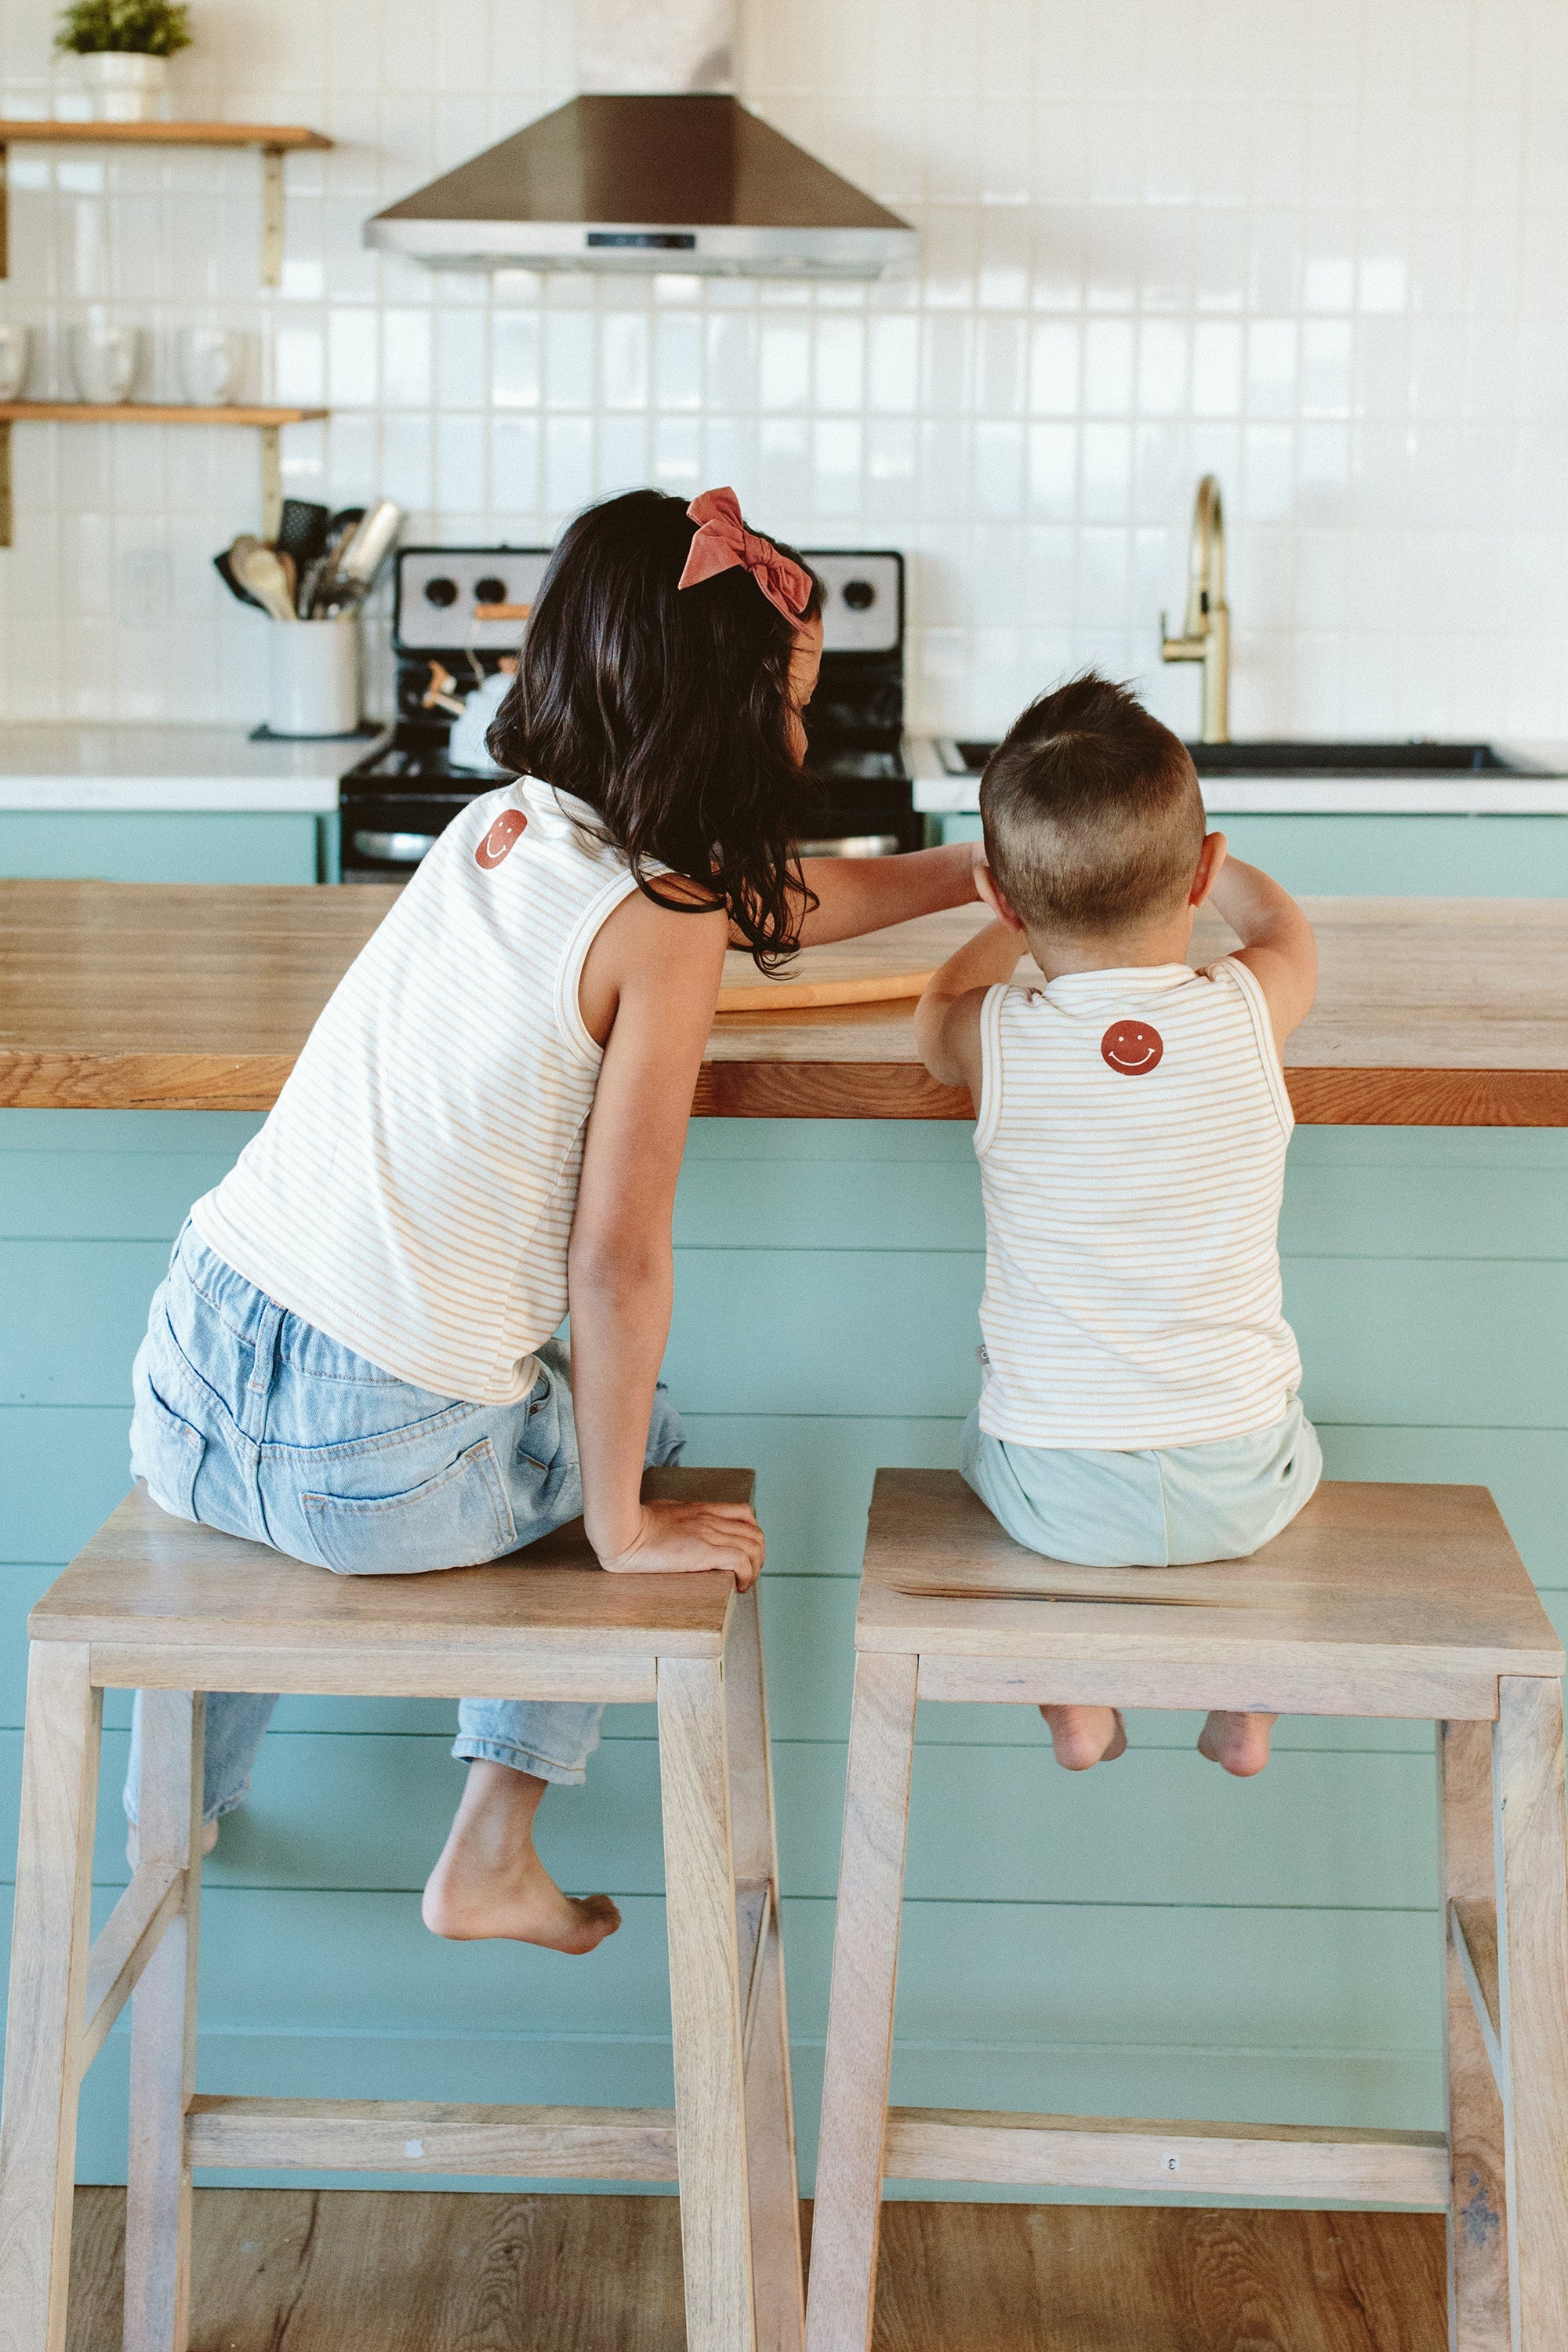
pixel 650 984
pixel 866 893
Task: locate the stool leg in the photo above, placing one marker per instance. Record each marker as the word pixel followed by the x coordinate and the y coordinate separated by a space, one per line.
pixel 49 1995
pixel 705 2007
pixel 860 2009
pixel 1533 1987
pixel 1478 2218
pixel 770 2110
pixel 163 2033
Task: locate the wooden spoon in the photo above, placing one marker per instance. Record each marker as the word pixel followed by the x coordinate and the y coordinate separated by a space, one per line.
pixel 259 568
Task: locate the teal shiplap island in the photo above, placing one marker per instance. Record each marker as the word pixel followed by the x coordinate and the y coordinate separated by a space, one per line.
pixel 1151 1939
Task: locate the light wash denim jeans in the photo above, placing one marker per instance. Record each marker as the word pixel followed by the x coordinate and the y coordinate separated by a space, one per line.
pixel 250 1419
pixel 1163 1506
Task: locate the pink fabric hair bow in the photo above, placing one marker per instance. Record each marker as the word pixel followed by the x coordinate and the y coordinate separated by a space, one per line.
pixel 722 541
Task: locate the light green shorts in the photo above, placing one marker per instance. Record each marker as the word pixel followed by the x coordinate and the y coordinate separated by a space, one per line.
pixel 1169 1507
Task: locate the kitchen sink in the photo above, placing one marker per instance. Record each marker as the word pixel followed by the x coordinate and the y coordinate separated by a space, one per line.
pixel 1423 758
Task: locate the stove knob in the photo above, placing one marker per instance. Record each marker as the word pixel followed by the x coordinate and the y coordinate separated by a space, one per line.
pixel 490 590
pixel 441 591
pixel 858 594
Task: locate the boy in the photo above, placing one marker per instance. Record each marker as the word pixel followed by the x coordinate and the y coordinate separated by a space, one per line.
pixel 1138 1405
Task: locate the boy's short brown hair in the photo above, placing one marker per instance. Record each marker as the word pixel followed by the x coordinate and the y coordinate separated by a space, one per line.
pixel 1093 813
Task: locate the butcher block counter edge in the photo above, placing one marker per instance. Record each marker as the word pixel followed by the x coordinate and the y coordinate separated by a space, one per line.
pixel 794 1089
pixel 102 1007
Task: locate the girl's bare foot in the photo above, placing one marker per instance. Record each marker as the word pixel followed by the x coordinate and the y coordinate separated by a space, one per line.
pixel 491 1882
pixel 1239 1742
pixel 134 1843
pixel 1082 1736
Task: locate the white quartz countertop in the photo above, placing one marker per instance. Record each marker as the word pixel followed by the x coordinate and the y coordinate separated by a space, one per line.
pixel 1487 794
pixel 61 767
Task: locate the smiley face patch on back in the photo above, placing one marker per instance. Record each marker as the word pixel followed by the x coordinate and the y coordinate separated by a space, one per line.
pixel 1133 1047
pixel 502 837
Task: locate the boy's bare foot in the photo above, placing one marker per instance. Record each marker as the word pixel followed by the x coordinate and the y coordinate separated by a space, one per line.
pixel 491 1882
pixel 133 1842
pixel 1082 1736
pixel 1239 1742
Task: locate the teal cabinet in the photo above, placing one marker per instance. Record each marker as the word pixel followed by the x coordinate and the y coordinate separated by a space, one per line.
pixel 1391 856
pixel 154 845
pixel 1150 1938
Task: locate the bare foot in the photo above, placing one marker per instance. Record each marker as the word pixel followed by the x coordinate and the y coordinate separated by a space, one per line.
pixel 133 1842
pixel 1083 1736
pixel 491 1882
pixel 1239 1742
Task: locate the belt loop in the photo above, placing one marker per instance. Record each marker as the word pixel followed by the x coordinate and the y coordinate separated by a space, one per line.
pixel 264 1357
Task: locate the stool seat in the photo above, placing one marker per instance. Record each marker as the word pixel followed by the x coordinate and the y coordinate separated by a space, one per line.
pixel 165 1604
pixel 175 1611
pixel 1380 1600
pixel 1385 1600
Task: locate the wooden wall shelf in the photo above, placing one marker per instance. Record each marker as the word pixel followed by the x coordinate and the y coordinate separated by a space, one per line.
pixel 266 421
pixel 148 412
pixel 273 139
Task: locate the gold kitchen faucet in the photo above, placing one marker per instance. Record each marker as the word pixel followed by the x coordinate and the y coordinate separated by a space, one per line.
pixel 1205 632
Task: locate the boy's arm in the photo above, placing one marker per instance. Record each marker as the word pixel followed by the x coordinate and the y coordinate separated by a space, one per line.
pixel 1276 942
pixel 866 893
pixel 947 1018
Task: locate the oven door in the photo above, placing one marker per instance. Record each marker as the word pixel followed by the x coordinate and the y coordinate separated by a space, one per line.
pixel 385 835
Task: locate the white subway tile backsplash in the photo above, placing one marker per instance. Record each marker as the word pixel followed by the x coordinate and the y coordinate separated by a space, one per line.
pixel 1316 248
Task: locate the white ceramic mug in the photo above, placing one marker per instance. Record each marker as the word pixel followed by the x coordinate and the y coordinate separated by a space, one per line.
pixel 104 362
pixel 14 342
pixel 211 358
pixel 312 676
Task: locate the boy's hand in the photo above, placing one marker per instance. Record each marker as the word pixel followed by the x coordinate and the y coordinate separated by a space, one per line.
pixel 682 1538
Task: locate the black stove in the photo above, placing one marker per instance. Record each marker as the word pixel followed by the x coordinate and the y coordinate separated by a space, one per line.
pixel 458 617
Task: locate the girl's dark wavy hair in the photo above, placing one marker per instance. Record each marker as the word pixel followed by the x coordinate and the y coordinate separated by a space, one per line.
pixel 666 710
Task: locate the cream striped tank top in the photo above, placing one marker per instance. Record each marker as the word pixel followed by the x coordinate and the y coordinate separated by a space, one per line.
pixel 412 1191
pixel 1131 1141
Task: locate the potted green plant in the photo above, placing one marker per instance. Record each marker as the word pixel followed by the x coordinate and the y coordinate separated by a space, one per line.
pixel 124 46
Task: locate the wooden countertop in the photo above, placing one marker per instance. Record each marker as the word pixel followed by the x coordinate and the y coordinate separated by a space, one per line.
pixel 1431 1012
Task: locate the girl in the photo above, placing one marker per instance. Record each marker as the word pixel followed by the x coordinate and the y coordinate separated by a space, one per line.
pixel 352 1357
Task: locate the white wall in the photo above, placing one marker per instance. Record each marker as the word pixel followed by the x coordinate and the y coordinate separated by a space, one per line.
pixel 1319 248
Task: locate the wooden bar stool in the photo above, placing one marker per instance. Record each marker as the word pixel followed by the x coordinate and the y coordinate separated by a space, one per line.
pixel 1378 1601
pixel 176 1611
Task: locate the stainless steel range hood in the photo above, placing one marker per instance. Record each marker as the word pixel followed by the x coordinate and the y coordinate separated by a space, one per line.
pixel 655 167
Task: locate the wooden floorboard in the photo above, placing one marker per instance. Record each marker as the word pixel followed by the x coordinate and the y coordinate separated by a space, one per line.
pixel 283 2270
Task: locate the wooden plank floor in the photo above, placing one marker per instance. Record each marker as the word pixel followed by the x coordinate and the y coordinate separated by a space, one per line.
pixel 284 2269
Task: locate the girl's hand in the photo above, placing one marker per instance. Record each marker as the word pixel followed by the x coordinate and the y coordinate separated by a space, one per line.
pixel 677 1538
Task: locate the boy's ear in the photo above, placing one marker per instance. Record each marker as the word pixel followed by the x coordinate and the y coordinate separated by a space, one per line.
pixel 1210 857
pixel 986 888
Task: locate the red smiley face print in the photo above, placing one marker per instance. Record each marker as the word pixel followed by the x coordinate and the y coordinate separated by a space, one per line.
pixel 502 837
pixel 1132 1048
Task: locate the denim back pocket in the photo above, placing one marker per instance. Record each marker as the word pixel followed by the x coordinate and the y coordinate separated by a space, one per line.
pixel 165 1451
pixel 455 1519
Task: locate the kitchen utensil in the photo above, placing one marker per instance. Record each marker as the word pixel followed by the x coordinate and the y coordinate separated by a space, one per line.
pixel 14 342
pixel 256 567
pixel 341 529
pixel 289 570
pixel 371 545
pixel 225 572
pixel 301 532
pixel 104 361
pixel 211 360
pixel 466 744
pixel 312 678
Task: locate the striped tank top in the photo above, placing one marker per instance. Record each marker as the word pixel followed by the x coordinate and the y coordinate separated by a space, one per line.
pixel 411 1192
pixel 1131 1140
